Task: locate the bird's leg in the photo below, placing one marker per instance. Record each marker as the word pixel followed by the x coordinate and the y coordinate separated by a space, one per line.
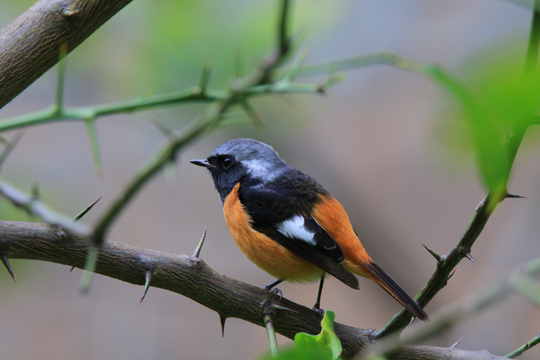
pixel 276 290
pixel 317 306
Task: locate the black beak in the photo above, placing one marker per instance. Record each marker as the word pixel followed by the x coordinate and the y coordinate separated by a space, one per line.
pixel 202 162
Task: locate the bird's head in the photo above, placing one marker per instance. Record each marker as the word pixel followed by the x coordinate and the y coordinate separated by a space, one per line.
pixel 242 159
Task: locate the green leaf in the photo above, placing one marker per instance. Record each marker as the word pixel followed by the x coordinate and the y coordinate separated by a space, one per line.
pixel 295 354
pixel 498 106
pixel 326 344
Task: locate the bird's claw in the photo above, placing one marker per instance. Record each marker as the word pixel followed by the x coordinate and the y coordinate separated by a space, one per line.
pixel 318 310
pixel 277 292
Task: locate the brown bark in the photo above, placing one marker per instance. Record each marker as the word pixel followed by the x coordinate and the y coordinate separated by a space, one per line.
pixel 30 44
pixel 194 279
pixel 438 353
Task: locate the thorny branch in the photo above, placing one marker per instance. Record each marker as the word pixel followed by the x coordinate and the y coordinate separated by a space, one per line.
pixel 192 278
pixel 258 83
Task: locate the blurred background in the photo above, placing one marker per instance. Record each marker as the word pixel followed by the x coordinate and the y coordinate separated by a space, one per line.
pixel 385 143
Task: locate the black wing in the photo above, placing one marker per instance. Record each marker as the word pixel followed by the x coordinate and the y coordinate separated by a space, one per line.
pixel 281 210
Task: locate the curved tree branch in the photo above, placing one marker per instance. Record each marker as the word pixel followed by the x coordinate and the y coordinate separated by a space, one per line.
pixel 445 266
pixel 30 44
pixel 192 278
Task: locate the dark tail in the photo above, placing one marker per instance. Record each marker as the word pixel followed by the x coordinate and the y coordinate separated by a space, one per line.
pixel 377 274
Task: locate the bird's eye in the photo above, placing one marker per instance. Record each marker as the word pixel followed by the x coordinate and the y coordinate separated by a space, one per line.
pixel 227 162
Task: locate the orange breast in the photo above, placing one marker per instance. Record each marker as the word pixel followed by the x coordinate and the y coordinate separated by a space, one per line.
pixel 332 217
pixel 266 253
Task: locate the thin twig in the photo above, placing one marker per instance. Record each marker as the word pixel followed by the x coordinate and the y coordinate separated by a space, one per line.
pixel 485 208
pixel 10 146
pixel 165 153
pixel 525 347
pixel 34 206
pixel 169 148
pixel 444 268
pixel 271 335
pixel 452 314
pixel 83 113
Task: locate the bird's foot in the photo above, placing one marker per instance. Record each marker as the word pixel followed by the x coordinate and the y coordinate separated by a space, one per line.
pixel 317 309
pixel 276 291
pixel 270 287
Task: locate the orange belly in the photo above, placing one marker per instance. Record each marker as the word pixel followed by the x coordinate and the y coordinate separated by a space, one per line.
pixel 264 252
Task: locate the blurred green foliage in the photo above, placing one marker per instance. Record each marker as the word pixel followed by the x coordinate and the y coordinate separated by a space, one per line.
pixel 10 213
pixel 499 103
pixel 528 288
pixel 161 45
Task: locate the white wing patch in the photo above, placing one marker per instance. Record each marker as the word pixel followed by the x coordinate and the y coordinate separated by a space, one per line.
pixel 294 228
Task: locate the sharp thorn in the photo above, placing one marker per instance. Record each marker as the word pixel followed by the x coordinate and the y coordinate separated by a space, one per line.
pixel 515 196
pixel 91 129
pixel 85 211
pixel 73 267
pixel 222 321
pixel 197 252
pixel 331 81
pixel 255 118
pixel 284 308
pixel 147 280
pixel 10 145
pixel 8 266
pixel 455 344
pixel 297 64
pixel 205 77
pixel 468 256
pixel 165 131
pixel 68 13
pixel 451 274
pixel 433 253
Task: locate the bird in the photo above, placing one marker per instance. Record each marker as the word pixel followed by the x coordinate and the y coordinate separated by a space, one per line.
pixel 288 224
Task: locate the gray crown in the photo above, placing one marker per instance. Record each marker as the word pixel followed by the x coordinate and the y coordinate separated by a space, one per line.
pixel 261 160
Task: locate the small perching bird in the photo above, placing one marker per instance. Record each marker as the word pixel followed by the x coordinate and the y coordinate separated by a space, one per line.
pixel 288 224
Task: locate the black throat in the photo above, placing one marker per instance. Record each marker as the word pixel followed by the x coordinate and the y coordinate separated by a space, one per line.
pixel 225 182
